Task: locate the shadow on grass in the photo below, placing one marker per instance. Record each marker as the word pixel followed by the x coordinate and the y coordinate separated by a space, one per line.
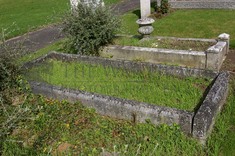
pixel 137 13
pixel 204 95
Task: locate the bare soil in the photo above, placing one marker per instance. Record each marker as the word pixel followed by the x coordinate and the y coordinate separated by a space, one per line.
pixel 229 62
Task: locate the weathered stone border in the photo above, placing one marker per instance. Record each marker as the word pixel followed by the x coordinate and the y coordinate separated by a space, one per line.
pixel 119 108
pixel 198 123
pixel 211 59
pixel 129 65
pixel 212 4
pixel 205 116
pixel 196 59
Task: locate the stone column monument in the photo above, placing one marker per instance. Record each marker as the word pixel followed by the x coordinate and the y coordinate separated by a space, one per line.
pixel 145 23
pixel 145 8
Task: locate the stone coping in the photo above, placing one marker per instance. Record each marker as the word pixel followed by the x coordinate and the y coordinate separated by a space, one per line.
pixel 157 50
pixel 198 123
pixel 205 116
pixel 130 65
pixel 174 38
pixel 117 107
pixel 200 4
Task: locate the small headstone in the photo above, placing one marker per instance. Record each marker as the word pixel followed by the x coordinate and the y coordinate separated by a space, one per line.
pixel 93 3
pixel 74 3
pixel 158 3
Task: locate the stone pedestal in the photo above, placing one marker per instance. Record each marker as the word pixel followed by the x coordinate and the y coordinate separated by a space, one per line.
pixel 145 26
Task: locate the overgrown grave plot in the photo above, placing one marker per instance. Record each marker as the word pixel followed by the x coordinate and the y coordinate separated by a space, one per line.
pixel 165 42
pixel 144 86
pixel 187 52
pixel 124 89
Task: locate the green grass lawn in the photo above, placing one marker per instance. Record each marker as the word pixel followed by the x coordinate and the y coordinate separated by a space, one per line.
pixel 52 123
pixel 21 16
pixel 153 88
pixel 44 126
pixel 187 23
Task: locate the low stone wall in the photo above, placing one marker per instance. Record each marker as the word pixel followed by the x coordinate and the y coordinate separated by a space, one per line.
pixel 205 116
pixel 119 108
pixel 198 123
pixel 129 65
pixel 210 59
pixel 203 4
pixel 187 58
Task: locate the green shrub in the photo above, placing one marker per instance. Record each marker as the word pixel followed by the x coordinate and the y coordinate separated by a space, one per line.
pixel 9 71
pixel 164 7
pixel 8 74
pixel 155 6
pixel 11 82
pixel 89 28
pixel 11 87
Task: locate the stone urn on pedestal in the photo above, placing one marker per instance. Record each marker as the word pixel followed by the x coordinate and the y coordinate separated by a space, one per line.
pixel 145 26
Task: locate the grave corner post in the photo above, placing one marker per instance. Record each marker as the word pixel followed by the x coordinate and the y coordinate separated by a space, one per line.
pixel 224 38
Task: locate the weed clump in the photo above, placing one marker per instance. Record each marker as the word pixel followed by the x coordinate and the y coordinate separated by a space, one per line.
pixel 89 28
pixel 161 9
pixel 9 70
pixel 164 7
pixel 11 89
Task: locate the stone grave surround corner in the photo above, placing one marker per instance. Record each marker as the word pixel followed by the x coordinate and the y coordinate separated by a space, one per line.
pixel 205 116
pixel 217 53
pixel 198 124
pixel 224 37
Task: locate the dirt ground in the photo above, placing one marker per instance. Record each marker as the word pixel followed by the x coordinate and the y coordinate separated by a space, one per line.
pixel 229 63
